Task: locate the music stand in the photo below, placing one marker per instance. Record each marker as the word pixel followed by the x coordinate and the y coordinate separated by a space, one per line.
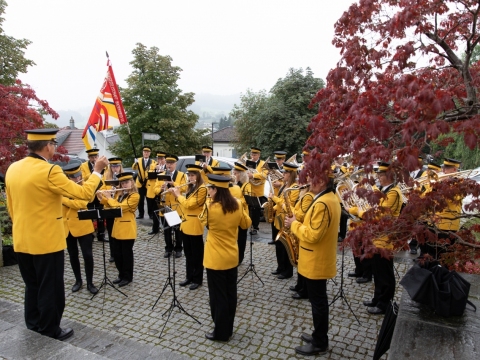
pixel 93 214
pixel 251 201
pixel 173 220
pixel 341 293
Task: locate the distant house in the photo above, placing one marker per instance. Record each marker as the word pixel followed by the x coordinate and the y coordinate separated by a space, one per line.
pixel 223 140
pixel 71 139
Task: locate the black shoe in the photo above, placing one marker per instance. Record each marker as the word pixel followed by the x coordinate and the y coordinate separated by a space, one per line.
pixel 293 288
pixel 369 303
pixel 276 272
pixel 354 275
pixel 178 254
pixel 413 251
pixel 111 259
pixel 152 232
pixel 362 280
pixel 298 296
pixel 151 217
pixel 271 242
pixel 167 254
pixel 102 239
pixel 210 335
pixel 310 349
pixel 307 338
pixel 64 334
pixel 375 310
pixel 282 277
pixel 139 217
pixel 253 232
pixel 194 286
pixel 92 288
pixel 77 286
pixel 117 280
pixel 123 283
pixel 185 282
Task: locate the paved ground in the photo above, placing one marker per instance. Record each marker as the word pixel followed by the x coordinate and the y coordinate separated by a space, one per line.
pixel 268 321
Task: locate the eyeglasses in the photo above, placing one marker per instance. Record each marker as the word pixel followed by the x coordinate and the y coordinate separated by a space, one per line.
pixel 53 143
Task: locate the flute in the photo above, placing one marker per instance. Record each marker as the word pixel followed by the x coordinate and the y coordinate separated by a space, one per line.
pixel 178 187
pixel 112 190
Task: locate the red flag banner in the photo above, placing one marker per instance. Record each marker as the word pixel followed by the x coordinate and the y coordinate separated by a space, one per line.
pixel 107 112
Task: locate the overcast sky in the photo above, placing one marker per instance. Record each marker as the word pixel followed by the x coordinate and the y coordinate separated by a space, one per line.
pixel 224 47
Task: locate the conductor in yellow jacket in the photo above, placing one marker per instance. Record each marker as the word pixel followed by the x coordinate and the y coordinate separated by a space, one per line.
pixel 34 199
pixel 222 217
pixel 191 230
pixel 317 261
pixel 124 230
pixel 80 231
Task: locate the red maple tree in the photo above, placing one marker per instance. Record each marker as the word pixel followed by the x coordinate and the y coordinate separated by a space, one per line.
pixel 19 111
pixel 399 84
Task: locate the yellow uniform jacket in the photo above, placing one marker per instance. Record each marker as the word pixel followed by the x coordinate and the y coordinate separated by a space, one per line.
pixel 302 205
pixel 151 182
pixel 125 227
pixel 448 219
pixel 318 235
pixel 36 187
pixel 87 169
pixel 259 178
pixel 179 178
pixel 208 169
pixel 221 249
pixel 279 207
pixel 72 223
pixel 192 206
pixel 142 175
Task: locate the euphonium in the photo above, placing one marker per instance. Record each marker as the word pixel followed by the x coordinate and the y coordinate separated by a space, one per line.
pixel 292 159
pixel 285 236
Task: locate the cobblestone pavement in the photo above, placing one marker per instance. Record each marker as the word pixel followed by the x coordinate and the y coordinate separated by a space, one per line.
pixel 268 321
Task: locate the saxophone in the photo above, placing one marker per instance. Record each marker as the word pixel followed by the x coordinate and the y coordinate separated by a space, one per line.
pixel 285 236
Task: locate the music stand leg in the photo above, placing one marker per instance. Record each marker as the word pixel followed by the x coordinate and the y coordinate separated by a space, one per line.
pixel 341 293
pixel 251 266
pixel 106 281
pixel 171 281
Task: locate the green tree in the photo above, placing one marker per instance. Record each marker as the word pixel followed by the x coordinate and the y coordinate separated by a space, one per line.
pixel 12 51
pixel 278 120
pixel 154 104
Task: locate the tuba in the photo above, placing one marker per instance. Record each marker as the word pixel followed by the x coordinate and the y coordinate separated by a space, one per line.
pixel 292 159
pixel 285 236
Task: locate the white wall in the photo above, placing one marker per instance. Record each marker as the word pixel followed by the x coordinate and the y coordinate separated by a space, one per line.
pixel 222 149
pixel 100 144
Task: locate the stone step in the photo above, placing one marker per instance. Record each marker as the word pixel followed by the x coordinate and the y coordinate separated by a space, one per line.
pixel 17 342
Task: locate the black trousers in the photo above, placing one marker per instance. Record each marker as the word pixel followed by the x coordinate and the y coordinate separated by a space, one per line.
pixel 301 285
pixel 86 246
pixel 317 294
pixel 193 248
pixel 255 213
pixel 363 267
pixel 156 215
pixel 242 244
pixel 44 291
pixel 110 222
pixel 123 255
pixel 151 206
pixel 222 289
pixel 384 280
pixel 167 235
pixel 142 191
pixel 283 263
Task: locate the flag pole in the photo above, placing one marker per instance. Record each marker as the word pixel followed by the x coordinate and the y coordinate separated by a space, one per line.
pixel 128 127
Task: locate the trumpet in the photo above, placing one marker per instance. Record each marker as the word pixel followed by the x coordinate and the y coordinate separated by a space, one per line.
pixel 177 187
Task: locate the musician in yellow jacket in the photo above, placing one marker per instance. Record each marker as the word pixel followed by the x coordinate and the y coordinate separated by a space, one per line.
pixel 124 230
pixel 34 200
pixel 241 180
pixel 143 165
pixel 209 162
pixel 257 180
pixel 317 261
pixel 154 200
pixel 284 267
pixel 80 231
pixel 191 230
pixel 222 217
pixel 382 267
pixel 168 199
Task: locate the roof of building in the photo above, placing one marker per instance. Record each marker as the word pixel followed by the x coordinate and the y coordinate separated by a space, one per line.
pixel 227 134
pixel 71 139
